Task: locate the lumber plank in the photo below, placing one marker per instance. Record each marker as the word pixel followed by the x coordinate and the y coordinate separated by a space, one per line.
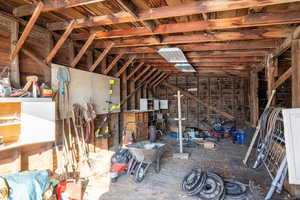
pixel 148 75
pixel 161 80
pixel 196 99
pixel 124 67
pixel 254 19
pixel 135 70
pixel 158 78
pixel 254 107
pixel 83 50
pixel 51 5
pixel 296 73
pixel 210 59
pixel 15 69
pixel 141 73
pixel 60 42
pixel 112 64
pixel 101 57
pixel 190 27
pixel 28 28
pixel 211 46
pixel 287 74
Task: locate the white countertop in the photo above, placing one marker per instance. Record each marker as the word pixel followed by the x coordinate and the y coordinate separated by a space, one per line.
pixel 24 99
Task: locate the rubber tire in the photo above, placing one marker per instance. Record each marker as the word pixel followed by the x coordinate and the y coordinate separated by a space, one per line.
pixel 140 175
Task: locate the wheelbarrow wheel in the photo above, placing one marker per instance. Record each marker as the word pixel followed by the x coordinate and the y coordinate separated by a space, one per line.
pixel 140 174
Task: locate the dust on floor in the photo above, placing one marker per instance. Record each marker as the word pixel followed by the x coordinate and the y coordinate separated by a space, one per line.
pixel 225 160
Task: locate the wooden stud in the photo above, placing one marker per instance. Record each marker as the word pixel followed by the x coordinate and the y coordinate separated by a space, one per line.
pixel 83 50
pixel 125 66
pixel 196 99
pixel 135 70
pixel 132 98
pixel 28 28
pixel 15 71
pixel 158 78
pixel 254 107
pixel 148 75
pixel 60 42
pixel 270 74
pixel 296 73
pixel 161 80
pixel 101 57
pixel 112 64
pixel 71 51
pixel 141 74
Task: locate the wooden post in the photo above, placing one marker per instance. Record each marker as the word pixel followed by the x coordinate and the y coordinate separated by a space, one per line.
pixel 132 99
pixel 71 51
pixel 296 73
pixel 124 89
pixel 89 58
pixel 15 72
pixel 270 75
pixel 254 109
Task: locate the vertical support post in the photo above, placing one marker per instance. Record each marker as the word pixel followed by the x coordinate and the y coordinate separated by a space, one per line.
pixel 296 73
pixel 132 98
pixel 254 109
pixel 89 58
pixel 270 75
pixel 15 72
pixel 179 121
pixel 124 89
pixel 71 51
pixel 48 70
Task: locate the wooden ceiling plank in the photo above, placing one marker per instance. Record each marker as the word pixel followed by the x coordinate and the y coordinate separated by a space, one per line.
pixel 125 66
pixel 135 70
pixel 142 73
pixel 189 95
pixel 83 50
pixel 51 5
pixel 28 28
pixel 212 59
pixel 244 34
pixel 101 57
pixel 123 17
pixel 60 42
pixel 112 64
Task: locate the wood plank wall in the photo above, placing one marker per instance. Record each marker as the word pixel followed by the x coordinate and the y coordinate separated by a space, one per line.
pixel 224 93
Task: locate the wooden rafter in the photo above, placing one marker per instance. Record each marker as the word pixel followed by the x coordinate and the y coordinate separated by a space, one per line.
pixel 150 79
pixel 220 24
pixel 161 80
pixel 28 28
pixel 148 75
pixel 212 46
pixel 125 66
pixel 51 5
pixel 101 57
pixel 287 74
pixel 212 59
pixel 210 64
pixel 83 50
pixel 112 64
pixel 158 78
pixel 183 10
pixel 135 70
pixel 60 42
pixel 196 99
pixel 142 73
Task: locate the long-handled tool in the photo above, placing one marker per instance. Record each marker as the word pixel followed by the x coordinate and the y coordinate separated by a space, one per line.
pixel 257 129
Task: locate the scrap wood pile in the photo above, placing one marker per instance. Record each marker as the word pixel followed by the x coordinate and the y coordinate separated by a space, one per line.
pixel 210 186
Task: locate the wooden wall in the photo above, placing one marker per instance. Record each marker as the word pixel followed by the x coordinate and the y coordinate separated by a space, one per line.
pixel 228 94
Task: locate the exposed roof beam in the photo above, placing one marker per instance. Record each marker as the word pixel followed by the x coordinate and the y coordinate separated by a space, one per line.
pixel 101 57
pixel 163 12
pixel 141 73
pixel 211 59
pixel 287 74
pixel 135 70
pixel 216 24
pixel 206 64
pixel 244 34
pixel 148 75
pixel 51 5
pixel 212 46
pixel 233 53
pixel 112 64
pixel 125 66
pixel 60 42
pixel 158 78
pixel 161 80
pixel 28 27
pixel 83 50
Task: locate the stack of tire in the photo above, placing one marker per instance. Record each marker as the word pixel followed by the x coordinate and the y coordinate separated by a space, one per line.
pixel 210 186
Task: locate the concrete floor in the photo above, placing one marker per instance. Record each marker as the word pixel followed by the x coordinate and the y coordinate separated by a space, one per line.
pixel 225 160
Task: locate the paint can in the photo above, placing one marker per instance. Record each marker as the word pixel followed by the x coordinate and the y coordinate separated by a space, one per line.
pixel 240 136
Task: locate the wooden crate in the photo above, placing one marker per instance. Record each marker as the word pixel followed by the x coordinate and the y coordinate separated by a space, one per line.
pixel 137 123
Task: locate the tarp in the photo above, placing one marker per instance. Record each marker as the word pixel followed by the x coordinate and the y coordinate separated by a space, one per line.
pixel 29 185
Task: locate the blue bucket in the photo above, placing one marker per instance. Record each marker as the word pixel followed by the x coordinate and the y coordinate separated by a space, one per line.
pixel 240 136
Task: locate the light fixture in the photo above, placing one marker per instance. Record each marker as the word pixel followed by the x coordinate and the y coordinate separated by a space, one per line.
pixel 185 67
pixel 173 55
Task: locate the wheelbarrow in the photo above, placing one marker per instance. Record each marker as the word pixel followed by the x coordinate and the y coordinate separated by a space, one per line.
pixel 144 154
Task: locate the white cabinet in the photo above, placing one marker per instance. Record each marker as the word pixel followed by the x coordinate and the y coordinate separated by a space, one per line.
pixel 291 118
pixel 156 104
pixel 143 104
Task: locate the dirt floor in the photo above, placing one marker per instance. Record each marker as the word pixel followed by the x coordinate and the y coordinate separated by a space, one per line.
pixel 225 160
